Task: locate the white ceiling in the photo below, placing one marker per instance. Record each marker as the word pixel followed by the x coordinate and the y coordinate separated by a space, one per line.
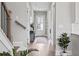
pixel 40 5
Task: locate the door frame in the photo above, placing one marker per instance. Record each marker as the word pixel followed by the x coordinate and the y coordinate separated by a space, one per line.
pixel 45 12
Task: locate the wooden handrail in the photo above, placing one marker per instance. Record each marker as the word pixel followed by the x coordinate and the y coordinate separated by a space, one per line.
pixel 20 24
pixel 6 9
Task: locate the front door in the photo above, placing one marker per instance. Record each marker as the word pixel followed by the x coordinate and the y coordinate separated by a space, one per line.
pixel 40 22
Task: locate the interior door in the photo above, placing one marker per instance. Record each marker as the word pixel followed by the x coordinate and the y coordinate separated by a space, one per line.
pixel 40 18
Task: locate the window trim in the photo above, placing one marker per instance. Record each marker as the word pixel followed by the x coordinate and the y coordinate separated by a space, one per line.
pixel 8 13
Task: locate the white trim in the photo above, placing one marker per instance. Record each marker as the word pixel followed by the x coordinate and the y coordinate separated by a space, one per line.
pixel 75 28
pixel 69 53
pixel 5 41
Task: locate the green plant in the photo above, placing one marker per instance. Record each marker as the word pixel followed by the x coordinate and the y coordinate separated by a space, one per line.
pixel 5 54
pixel 14 52
pixel 23 53
pixel 63 41
pixel 26 52
pixel 19 53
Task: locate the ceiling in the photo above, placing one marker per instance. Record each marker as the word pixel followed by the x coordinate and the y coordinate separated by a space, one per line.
pixel 40 5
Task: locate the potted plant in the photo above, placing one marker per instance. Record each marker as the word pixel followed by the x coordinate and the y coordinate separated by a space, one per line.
pixel 5 54
pixel 19 53
pixel 63 42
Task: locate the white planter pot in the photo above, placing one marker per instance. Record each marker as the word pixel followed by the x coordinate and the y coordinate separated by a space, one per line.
pixel 64 54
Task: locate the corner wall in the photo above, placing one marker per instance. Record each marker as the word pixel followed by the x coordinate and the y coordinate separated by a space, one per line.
pixel 63 22
pixel 75 45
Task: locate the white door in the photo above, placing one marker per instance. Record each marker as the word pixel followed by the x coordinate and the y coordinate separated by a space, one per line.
pixel 40 20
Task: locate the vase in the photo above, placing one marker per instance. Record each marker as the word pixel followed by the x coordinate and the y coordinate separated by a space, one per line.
pixel 64 54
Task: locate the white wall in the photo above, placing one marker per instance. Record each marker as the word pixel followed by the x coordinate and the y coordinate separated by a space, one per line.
pixel 0 13
pixel 63 20
pixel 75 25
pixel 77 12
pixel 53 26
pixel 19 12
pixel 75 28
pixel 75 32
pixel 75 45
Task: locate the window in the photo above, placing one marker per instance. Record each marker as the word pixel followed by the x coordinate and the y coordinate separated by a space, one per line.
pixel 40 23
pixel 5 20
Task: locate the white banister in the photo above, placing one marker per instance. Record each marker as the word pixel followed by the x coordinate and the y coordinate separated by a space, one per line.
pixel 5 41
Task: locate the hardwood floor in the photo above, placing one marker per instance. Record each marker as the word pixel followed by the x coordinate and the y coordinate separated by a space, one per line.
pixel 43 46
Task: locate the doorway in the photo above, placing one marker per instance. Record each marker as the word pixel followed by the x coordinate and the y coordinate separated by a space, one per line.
pixel 42 26
pixel 40 19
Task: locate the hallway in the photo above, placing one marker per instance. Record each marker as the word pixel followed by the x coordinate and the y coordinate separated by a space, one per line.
pixel 43 46
pixel 40 27
pixel 42 23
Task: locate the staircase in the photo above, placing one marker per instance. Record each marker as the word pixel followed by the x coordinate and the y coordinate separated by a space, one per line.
pixel 6 45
